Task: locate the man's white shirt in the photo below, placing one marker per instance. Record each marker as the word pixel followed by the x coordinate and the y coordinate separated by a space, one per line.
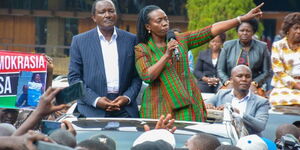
pixel 240 104
pixel 111 63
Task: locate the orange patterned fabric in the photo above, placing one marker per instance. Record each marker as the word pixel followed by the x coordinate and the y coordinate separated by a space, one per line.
pixel 286 65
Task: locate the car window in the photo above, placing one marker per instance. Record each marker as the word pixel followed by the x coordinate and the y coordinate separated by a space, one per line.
pixel 124 139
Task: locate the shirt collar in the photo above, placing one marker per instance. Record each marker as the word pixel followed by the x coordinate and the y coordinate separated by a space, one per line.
pixel 114 36
pixel 246 98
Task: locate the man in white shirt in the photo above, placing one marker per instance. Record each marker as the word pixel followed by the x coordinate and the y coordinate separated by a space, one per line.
pixel 103 58
pixel 251 108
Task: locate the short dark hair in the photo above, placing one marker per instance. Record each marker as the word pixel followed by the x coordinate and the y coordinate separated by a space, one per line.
pixel 143 19
pixel 297 123
pixel 63 137
pixel 96 1
pixel 205 141
pixel 287 129
pixel 252 22
pixel 92 145
pixel 289 21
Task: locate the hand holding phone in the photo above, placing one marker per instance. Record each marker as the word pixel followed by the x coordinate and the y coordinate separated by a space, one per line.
pixel 71 93
pixel 48 126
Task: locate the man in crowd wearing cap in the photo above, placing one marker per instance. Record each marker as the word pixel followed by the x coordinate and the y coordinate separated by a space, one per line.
pixel 249 107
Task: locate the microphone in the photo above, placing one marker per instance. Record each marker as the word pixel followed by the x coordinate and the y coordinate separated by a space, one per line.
pixel 170 37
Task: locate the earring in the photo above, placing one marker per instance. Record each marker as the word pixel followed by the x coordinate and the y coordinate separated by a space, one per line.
pixel 149 31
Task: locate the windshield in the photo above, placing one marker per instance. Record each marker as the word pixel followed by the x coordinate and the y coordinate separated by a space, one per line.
pixel 125 139
pixel 124 132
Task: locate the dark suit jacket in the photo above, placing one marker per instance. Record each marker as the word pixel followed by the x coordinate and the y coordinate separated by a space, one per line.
pixel 204 67
pixel 257 111
pixel 259 58
pixel 86 64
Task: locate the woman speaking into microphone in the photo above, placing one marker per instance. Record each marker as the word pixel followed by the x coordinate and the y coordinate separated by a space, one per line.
pixel 172 88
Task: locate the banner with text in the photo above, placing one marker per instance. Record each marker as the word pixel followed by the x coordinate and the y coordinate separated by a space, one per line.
pixel 22 79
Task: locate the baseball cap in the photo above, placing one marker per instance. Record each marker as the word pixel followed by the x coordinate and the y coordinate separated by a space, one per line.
pixel 7 129
pixel 271 145
pixel 153 145
pixel 251 142
pixel 156 135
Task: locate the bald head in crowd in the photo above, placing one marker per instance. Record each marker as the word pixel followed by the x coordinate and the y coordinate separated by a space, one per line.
pixel 239 67
pixel 203 141
pixel 241 77
pixel 6 129
pixel 287 129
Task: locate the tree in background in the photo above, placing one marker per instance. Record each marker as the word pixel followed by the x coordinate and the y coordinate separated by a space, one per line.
pixel 202 13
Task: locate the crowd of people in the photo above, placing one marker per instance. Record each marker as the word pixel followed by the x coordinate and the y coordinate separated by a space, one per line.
pixel 113 63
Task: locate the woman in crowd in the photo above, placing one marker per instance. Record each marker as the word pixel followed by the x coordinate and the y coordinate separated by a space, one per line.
pixel 171 86
pixel 286 63
pixel 206 67
pixel 247 51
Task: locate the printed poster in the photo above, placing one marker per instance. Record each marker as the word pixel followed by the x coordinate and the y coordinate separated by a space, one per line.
pixel 22 79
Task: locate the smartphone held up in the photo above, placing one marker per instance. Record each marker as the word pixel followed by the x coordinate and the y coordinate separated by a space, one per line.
pixel 71 93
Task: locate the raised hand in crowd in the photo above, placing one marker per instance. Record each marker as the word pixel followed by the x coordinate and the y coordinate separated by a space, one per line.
pixel 44 108
pixel 164 123
pixel 24 142
pixel 50 67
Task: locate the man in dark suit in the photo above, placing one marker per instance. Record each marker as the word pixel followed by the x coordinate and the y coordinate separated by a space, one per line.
pixel 103 58
pixel 251 108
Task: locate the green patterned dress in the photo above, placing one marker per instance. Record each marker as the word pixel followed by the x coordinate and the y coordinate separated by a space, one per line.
pixel 175 90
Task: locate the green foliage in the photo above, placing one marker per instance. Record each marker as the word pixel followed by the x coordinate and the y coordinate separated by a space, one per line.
pixel 202 13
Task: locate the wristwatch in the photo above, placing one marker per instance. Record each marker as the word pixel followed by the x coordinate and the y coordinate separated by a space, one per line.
pixel 254 83
pixel 227 82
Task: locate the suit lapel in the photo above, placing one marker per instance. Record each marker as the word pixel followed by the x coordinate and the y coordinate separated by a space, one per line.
pixel 237 53
pixel 96 46
pixel 121 54
pixel 250 55
pixel 250 103
pixel 208 58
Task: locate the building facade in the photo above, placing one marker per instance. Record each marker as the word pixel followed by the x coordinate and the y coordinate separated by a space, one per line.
pixel 47 26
